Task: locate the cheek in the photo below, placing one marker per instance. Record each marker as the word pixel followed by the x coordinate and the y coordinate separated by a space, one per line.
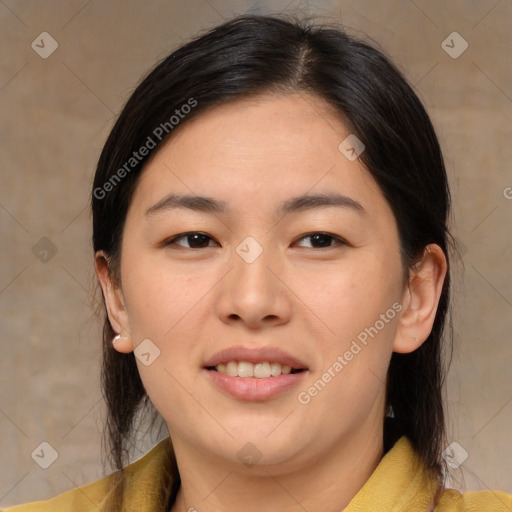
pixel 350 296
pixel 160 300
pixel 165 307
pixel 358 302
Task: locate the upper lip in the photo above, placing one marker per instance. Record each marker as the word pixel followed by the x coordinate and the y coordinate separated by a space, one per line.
pixel 256 355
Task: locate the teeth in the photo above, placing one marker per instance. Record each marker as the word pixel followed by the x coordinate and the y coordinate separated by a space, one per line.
pixel 245 369
pixel 262 370
pixel 259 370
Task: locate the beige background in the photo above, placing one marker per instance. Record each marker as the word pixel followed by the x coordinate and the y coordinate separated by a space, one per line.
pixel 56 114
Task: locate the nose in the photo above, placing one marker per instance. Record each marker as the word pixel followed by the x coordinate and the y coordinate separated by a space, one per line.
pixel 254 293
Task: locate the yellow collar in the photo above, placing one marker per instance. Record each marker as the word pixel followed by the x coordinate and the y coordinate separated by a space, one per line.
pixel 400 483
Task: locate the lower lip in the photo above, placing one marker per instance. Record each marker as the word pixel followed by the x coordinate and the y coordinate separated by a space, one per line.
pixel 252 388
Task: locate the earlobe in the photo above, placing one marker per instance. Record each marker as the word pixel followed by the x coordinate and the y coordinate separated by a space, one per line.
pixel 421 299
pixel 122 343
pixel 115 304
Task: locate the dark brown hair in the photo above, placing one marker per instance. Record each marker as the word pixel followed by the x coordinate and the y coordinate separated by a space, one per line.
pixel 251 55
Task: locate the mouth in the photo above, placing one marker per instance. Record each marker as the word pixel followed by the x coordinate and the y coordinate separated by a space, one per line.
pixel 254 382
pixel 260 370
pixel 255 374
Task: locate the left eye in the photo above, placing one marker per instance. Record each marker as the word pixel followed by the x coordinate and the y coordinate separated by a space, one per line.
pixel 323 239
pixel 197 240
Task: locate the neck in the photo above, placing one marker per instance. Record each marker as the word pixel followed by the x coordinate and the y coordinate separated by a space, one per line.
pixel 326 484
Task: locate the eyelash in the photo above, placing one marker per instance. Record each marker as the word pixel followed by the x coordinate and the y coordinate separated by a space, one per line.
pixel 337 239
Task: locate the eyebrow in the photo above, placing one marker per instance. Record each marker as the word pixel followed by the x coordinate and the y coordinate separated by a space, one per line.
pixel 295 204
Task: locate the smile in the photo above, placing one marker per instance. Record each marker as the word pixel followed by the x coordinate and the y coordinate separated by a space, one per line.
pixel 262 370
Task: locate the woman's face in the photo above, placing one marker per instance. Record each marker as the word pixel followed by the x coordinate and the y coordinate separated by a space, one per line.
pixel 317 279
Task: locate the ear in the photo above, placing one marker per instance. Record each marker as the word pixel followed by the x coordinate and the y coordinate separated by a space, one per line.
pixel 420 300
pixel 114 301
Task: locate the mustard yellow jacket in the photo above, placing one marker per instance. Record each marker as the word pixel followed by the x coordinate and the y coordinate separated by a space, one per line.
pixel 396 485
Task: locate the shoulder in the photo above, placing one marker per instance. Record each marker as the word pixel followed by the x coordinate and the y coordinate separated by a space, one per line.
pixel 87 498
pixel 477 501
pixel 139 485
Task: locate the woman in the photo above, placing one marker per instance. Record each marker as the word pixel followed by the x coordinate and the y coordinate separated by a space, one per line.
pixel 270 229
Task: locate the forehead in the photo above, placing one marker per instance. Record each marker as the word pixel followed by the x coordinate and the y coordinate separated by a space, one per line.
pixel 258 152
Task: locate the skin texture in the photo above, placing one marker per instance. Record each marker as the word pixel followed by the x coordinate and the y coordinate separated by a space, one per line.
pixel 309 299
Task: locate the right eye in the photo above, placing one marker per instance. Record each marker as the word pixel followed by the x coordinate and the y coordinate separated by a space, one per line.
pixel 194 239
